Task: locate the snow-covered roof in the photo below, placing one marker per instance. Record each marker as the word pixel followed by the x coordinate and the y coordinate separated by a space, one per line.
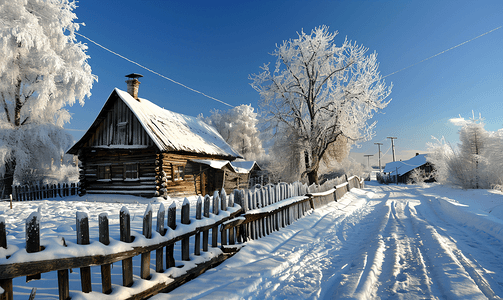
pixel 405 166
pixel 172 131
pixel 244 166
pixel 215 164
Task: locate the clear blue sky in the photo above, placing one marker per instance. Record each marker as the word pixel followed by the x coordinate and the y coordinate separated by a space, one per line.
pixel 212 46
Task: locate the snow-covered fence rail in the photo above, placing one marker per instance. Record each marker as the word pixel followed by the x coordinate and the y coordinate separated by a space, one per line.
pixel 39 192
pixel 47 256
pixel 271 208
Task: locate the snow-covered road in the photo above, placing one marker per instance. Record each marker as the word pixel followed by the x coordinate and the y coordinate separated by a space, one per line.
pixel 384 242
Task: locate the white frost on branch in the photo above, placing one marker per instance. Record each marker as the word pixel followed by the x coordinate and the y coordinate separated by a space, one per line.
pixel 43 69
pixel 238 127
pixel 320 91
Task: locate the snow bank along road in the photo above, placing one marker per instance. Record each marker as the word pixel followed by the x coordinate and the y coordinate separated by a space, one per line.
pixel 383 242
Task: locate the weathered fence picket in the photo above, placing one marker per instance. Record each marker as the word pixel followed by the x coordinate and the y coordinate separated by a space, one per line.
pixel 83 239
pixel 46 191
pixel 104 238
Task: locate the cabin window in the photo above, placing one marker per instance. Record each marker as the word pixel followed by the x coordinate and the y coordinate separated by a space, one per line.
pixel 179 172
pixel 104 172
pixel 131 171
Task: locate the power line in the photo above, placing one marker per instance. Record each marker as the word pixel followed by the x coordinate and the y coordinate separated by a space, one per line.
pixel 444 51
pixel 152 71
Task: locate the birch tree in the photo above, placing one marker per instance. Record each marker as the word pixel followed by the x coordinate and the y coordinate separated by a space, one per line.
pixel 321 91
pixel 42 69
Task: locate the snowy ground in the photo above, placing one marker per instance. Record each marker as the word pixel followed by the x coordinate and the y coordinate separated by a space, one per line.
pixel 385 241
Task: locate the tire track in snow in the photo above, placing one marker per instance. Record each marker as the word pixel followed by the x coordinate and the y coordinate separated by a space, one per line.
pixel 322 257
pixel 452 278
pixel 404 272
pixel 358 281
pixel 479 275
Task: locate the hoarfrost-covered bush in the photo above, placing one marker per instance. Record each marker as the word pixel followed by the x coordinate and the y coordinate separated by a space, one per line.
pixel 417 176
pixel 476 163
pixel 238 127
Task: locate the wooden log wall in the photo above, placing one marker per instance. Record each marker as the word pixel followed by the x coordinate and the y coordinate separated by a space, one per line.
pixel 193 181
pixel 116 160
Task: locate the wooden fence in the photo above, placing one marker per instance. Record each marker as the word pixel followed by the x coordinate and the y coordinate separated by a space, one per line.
pixel 204 223
pixel 242 216
pixel 271 208
pixel 40 192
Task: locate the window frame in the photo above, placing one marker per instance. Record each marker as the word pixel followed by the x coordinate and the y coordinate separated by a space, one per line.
pixel 135 170
pixel 104 172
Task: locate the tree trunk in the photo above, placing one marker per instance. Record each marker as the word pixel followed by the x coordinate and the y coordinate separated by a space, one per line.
pixel 8 179
pixel 313 176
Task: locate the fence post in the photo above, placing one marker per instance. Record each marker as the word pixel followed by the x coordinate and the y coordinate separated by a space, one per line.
pixel 3 233
pixel 5 284
pixel 147 232
pixel 106 272
pixel 33 238
pixel 214 230
pixel 197 242
pixel 170 260
pixel 223 206
pixel 206 214
pixel 83 239
pixel 125 236
pixel 185 220
pixel 159 262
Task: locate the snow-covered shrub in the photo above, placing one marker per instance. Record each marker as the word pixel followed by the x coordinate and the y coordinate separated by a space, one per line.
pixel 417 176
pixel 477 162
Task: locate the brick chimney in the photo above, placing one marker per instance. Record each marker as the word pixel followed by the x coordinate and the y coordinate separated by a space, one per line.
pixel 133 84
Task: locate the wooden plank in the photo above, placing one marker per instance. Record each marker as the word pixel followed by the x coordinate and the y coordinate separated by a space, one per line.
pixel 6 285
pixel 32 232
pixel 170 260
pixel 82 225
pixel 125 236
pixel 159 261
pixel 185 218
pixel 147 232
pixel 63 284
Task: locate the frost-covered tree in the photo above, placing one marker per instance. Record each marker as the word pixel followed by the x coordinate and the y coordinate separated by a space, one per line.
pixel 42 69
pixel 321 91
pixel 238 127
pixel 477 162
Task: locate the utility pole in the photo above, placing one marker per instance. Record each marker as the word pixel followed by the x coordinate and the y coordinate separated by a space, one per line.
pixel 392 145
pixel 368 160
pixel 379 148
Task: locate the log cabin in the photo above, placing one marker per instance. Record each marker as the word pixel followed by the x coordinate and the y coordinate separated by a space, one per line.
pixel 136 147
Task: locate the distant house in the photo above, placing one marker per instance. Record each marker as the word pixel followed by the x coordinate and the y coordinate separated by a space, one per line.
pixel 248 173
pixel 136 147
pixel 405 168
